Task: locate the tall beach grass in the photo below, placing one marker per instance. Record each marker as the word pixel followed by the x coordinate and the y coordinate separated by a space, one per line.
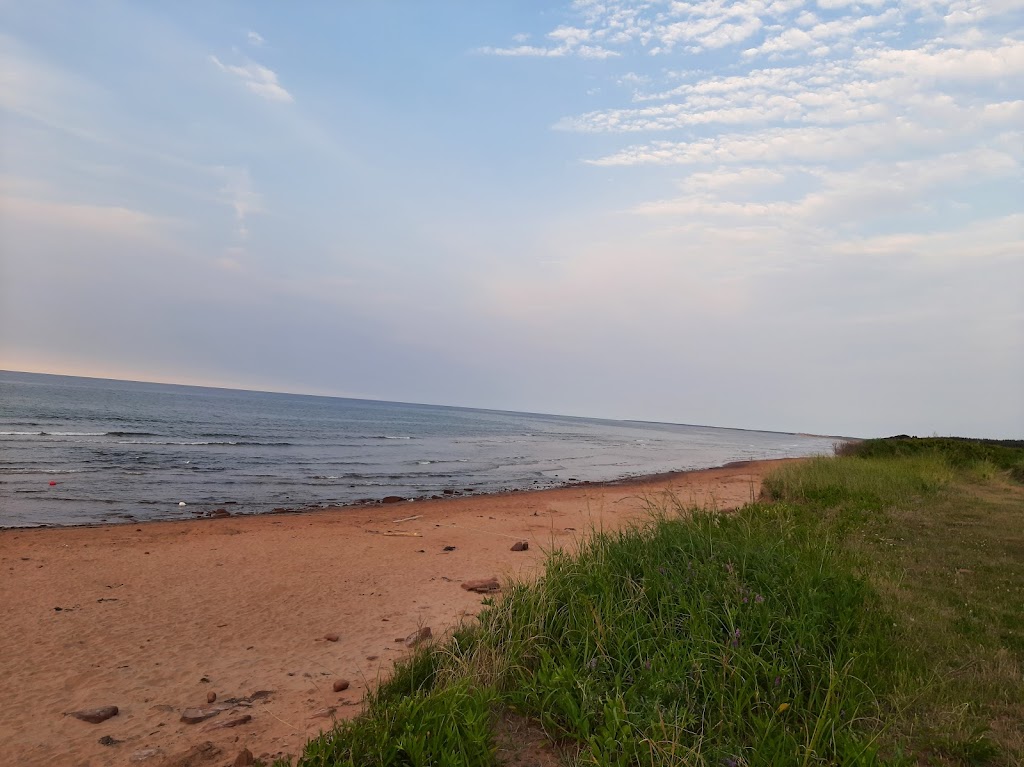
pixel 818 626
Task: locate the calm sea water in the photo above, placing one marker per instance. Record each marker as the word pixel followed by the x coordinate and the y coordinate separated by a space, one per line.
pixel 120 451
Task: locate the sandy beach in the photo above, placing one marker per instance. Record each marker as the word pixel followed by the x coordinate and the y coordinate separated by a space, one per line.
pixel 264 612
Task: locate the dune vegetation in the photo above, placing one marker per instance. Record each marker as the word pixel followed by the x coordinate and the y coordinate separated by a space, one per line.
pixel 868 609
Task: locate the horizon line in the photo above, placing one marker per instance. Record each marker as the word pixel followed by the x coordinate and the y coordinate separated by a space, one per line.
pixel 422 404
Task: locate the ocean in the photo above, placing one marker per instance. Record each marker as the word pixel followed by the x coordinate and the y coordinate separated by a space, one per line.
pixel 86 451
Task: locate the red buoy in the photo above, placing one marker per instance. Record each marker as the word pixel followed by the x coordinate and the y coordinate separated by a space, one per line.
pixel 52 483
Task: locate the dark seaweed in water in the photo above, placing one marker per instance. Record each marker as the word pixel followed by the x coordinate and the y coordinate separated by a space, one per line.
pixel 119 449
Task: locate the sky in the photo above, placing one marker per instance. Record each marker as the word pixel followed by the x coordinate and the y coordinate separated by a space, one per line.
pixel 797 215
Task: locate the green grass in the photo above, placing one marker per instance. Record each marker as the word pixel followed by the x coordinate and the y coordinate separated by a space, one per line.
pixel 867 611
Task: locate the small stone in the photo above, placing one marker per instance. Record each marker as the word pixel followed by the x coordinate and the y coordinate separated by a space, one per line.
pixel 520 546
pixel 244 758
pixel 392 499
pixel 203 753
pixel 107 740
pixel 448 548
pixel 197 715
pixel 482 586
pixel 144 753
pixel 372 657
pixel 332 637
pixel 340 685
pixel 324 713
pixel 220 513
pixel 95 715
pixel 418 636
pixel 238 720
pixel 211 697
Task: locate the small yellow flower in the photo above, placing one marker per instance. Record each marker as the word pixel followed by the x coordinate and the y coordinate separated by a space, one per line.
pixel 782 707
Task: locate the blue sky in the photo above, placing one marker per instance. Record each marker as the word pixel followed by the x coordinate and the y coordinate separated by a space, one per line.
pixel 793 214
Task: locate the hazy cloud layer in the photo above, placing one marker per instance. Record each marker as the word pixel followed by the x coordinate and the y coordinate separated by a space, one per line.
pixel 790 215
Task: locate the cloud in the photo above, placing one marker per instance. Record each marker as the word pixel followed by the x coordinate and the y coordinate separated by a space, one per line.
pixel 522 50
pixel 836 198
pixel 567 41
pixel 844 31
pixel 239 194
pixel 952 64
pixel 106 221
pixel 257 78
pixel 35 88
pixel 255 38
pixel 617 27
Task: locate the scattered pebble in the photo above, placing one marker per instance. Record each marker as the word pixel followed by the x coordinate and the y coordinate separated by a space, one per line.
pixel 211 697
pixel 520 546
pixel 107 740
pixel 332 637
pixel 238 720
pixel 341 685
pixel 482 586
pixel 418 636
pixel 144 753
pixel 95 715
pixel 244 758
pixel 197 714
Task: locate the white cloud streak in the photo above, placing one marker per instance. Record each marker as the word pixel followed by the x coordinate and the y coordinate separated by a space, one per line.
pixel 257 79
pixel 239 194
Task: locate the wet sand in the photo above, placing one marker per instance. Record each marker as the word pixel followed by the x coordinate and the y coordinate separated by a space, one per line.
pixel 153 617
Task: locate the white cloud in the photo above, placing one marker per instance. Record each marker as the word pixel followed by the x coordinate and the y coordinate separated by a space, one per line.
pixel 255 38
pixel 987 238
pixel 742 179
pixel 522 50
pixel 257 78
pixel 838 198
pixel 239 194
pixel 610 27
pixel 34 87
pixel 997 63
pixel 108 221
pixel 818 144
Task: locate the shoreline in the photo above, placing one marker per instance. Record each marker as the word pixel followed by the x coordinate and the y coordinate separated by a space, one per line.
pixel 626 481
pixel 148 611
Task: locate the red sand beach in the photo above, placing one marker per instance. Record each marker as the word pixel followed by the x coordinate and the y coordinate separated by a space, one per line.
pixel 153 618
